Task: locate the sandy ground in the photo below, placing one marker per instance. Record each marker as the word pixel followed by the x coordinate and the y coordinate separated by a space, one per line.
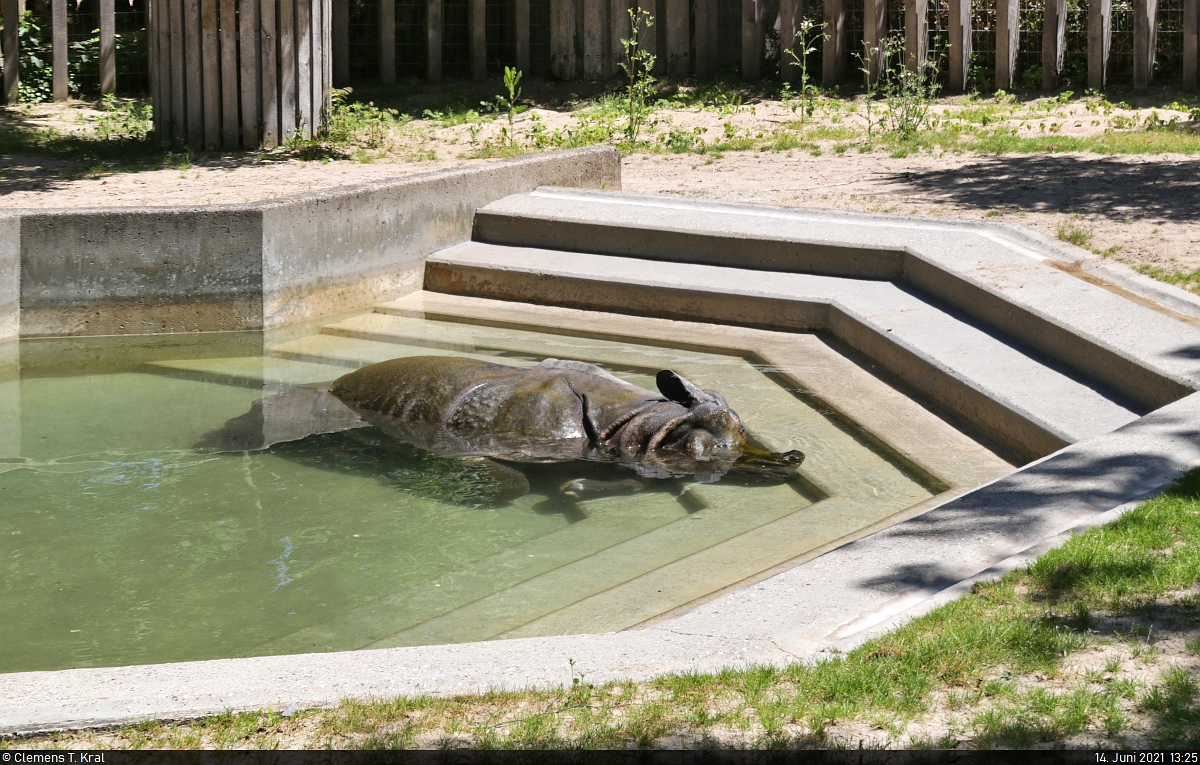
pixel 1140 209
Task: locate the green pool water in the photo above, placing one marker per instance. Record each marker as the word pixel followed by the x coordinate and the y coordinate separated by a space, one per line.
pixel 123 543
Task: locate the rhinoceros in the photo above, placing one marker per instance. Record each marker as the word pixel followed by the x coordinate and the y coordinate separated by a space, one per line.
pixel 497 432
pixel 557 410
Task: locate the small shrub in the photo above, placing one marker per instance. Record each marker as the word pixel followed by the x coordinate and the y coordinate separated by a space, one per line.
pixel 1068 231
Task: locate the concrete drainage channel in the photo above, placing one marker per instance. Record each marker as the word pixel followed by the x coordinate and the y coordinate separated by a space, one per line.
pixel 1094 392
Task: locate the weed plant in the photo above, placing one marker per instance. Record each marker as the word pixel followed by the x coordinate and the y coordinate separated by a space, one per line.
pixel 638 65
pixel 808 35
pixel 512 83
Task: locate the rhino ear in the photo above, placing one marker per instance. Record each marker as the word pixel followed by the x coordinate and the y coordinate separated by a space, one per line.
pixel 677 389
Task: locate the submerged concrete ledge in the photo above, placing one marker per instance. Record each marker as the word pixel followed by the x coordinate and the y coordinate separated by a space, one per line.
pixel 257 265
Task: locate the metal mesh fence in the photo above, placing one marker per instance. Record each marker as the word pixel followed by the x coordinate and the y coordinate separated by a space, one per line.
pixel 456 38
pixel 83 39
pixel 729 35
pixel 539 37
pixel 363 31
pixel 500 34
pixel 412 39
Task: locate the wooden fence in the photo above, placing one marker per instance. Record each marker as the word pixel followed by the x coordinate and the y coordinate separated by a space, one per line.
pixel 584 36
pixel 11 10
pixel 239 73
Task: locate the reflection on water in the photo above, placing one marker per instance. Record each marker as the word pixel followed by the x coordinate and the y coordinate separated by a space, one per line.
pixel 123 543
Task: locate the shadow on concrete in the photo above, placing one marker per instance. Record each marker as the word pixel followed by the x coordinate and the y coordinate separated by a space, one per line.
pixel 1058 183
pixel 1041 499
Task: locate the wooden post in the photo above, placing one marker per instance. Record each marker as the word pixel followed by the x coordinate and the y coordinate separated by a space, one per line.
pixel 833 57
pixel 168 123
pixel 341 43
pixel 618 30
pixel 1145 41
pixel 1054 42
pixel 960 45
pixel 790 14
pixel 288 106
pixel 193 74
pixel 304 105
pixel 387 42
pixel 679 43
pixel 562 39
pixel 752 38
pixel 875 34
pixel 108 47
pixel 251 65
pixel 326 59
pixel 58 22
pixel 712 37
pixel 316 34
pixel 703 57
pixel 12 51
pixel 178 52
pixel 1191 44
pixel 433 37
pixel 211 56
pixel 916 33
pixel 593 39
pixel 649 35
pixel 159 113
pixel 268 40
pixel 1008 34
pixel 521 36
pixel 478 27
pixel 1099 42
pixel 230 127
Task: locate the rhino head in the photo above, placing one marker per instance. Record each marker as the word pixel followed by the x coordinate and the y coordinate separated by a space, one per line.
pixel 692 431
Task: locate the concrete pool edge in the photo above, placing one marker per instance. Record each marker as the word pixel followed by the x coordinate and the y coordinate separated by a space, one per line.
pixel 253 265
pixel 797 615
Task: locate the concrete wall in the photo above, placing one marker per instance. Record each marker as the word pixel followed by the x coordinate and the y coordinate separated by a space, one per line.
pixel 144 270
pixel 10 310
pixel 10 284
pixel 141 270
pixel 337 250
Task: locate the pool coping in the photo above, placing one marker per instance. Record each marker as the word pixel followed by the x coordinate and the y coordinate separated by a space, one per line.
pixel 805 613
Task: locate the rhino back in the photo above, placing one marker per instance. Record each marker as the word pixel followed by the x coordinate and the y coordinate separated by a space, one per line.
pixel 530 405
pixel 419 390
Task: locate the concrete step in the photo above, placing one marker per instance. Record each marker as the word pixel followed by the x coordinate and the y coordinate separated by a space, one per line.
pixel 1014 395
pixel 997 274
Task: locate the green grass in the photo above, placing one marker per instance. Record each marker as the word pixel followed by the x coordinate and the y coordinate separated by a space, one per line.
pixel 1069 231
pixel 121 138
pixel 1111 142
pixel 971 651
pixel 1188 281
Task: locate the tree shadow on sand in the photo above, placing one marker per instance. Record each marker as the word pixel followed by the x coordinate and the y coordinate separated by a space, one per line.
pixel 1055 183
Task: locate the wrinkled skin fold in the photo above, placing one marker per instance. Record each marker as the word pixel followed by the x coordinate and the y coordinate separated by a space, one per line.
pixel 558 411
